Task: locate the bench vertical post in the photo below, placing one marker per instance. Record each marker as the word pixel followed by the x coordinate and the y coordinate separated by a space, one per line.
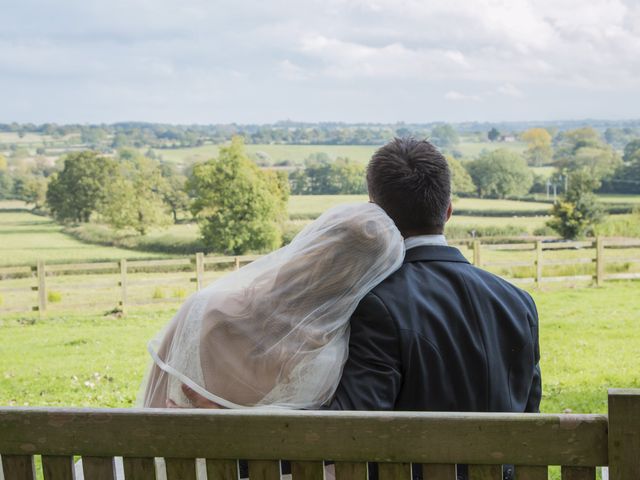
pixel 18 467
pixel 624 434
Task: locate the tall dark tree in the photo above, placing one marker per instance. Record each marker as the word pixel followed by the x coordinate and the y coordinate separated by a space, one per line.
pixel 79 190
pixel 493 134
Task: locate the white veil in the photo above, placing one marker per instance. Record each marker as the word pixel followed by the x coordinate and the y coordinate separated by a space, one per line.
pixel 275 333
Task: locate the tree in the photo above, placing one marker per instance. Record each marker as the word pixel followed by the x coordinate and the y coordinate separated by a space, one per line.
pixel 493 134
pixel 134 197
pixel 582 152
pixel 539 151
pixel 500 173
pixel 6 181
pixel 444 136
pixel 632 151
pixel 34 190
pixel 238 207
pixel 79 190
pixel 461 181
pixel 321 176
pixel 174 191
pixel 627 177
pixel 576 214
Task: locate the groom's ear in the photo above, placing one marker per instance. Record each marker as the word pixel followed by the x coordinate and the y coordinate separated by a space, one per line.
pixel 449 211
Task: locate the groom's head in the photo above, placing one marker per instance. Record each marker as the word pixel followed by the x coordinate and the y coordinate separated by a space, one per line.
pixel 410 180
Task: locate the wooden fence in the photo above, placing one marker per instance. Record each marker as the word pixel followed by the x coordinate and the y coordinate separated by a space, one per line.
pixel 215 439
pixel 121 281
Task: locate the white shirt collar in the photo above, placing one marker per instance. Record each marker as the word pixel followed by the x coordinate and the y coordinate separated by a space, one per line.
pixel 421 240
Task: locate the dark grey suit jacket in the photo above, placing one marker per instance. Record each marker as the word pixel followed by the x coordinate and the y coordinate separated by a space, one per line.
pixel 442 335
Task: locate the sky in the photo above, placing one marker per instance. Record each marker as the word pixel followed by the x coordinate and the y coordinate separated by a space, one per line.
pixel 257 61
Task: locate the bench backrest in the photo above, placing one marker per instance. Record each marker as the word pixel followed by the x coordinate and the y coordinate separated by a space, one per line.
pixel 438 441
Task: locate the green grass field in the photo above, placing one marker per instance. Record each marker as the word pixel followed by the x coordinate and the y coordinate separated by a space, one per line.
pixel 27 237
pixel 297 153
pixel 589 340
pixel 473 149
pixel 606 198
pixel 272 153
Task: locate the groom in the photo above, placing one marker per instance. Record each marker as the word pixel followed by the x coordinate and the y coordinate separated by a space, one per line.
pixel 439 334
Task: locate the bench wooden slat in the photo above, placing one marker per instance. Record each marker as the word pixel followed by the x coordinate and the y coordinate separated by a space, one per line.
pixel 98 468
pixel 438 471
pixel 351 471
pixel 264 470
pixel 180 468
pixel 579 440
pixel 18 467
pixel 222 469
pixel 485 472
pixel 578 473
pixel 58 467
pixel 307 470
pixel 394 471
pixel 143 468
pixel 528 472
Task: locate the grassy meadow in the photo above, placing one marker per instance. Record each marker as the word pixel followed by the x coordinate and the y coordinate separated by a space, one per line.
pixel 589 340
pixel 271 153
pixel 27 237
pixel 296 154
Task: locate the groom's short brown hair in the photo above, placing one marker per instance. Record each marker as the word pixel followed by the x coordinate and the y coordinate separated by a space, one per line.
pixel 411 181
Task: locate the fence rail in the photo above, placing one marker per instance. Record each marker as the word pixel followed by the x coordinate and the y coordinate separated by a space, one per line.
pixel 34 287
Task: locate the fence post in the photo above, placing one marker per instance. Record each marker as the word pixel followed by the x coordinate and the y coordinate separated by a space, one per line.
pixel 624 433
pixel 237 261
pixel 476 253
pixel 42 288
pixel 599 261
pixel 199 270
pixel 538 263
pixel 123 284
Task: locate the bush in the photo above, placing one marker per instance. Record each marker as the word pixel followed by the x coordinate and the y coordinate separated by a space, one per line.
pixel 179 293
pixel 158 293
pixel 54 297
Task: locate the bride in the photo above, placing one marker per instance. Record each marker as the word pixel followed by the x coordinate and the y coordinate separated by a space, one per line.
pixel 275 333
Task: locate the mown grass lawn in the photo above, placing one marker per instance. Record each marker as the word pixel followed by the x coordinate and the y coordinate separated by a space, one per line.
pixel 589 337
pixel 27 237
pixel 296 154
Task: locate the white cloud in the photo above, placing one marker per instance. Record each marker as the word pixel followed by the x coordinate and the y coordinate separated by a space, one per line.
pixel 329 59
pixel 510 90
pixel 457 96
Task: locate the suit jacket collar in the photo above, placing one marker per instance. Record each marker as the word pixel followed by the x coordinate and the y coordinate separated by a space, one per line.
pixel 434 253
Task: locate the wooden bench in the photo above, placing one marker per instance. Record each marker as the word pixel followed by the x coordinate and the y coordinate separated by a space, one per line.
pixel 438 441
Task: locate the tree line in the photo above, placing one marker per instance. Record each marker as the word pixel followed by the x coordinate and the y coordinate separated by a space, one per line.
pixel 241 207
